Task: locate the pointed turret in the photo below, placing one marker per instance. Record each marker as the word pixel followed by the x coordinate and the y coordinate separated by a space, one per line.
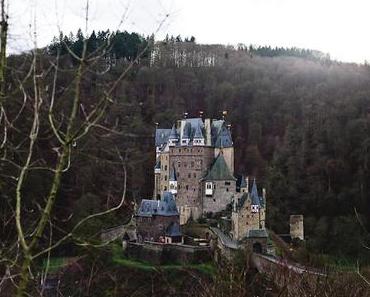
pixel 173 138
pixel 198 138
pixel 244 184
pixel 256 203
pixel 186 133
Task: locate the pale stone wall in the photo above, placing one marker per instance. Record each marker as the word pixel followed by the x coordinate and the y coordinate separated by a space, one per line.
pixel 165 171
pixel 223 193
pixel 187 212
pixel 157 185
pixel 296 227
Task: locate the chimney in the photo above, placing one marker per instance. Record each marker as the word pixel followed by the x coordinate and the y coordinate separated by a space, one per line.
pixel 207 126
pixel 182 125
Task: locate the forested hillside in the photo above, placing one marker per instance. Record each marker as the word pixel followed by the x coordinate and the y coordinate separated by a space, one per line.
pixel 300 123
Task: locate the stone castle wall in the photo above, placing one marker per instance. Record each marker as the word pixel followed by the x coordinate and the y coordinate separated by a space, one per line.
pixel 222 196
pixel 159 254
pixel 191 163
pixel 151 228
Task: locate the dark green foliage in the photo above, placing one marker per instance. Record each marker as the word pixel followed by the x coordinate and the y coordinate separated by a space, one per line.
pixel 300 125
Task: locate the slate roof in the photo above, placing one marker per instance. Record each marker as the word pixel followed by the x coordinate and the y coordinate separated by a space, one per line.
pixel 157 164
pixel 198 132
pixel 173 133
pixel 194 128
pixel 219 170
pixel 173 230
pixel 254 194
pixel 187 131
pixel 223 138
pixel 166 206
pixel 161 136
pixel 257 233
pixel 242 200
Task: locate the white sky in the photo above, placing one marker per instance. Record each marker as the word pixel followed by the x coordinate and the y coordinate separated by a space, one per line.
pixel 338 27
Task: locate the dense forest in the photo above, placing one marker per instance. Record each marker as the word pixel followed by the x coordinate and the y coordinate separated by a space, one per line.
pixel 300 124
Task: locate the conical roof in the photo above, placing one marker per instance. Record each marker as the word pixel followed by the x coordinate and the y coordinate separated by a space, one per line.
pixel 254 194
pixel 243 182
pixel 219 170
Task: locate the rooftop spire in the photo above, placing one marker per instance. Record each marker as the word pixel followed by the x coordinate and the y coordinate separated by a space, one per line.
pixel 173 134
pixel 254 194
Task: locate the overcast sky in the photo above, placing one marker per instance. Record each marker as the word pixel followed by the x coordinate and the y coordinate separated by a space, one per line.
pixel 338 27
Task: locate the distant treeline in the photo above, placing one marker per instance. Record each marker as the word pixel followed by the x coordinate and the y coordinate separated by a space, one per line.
pixel 177 51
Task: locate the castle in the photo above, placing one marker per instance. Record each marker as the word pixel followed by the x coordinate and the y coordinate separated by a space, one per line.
pixel 195 162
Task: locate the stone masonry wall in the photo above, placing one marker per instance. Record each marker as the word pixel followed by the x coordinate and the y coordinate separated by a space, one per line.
pixel 151 228
pixel 222 196
pixel 191 164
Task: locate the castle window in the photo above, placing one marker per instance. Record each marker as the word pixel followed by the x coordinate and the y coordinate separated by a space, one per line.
pixel 165 177
pixel 227 189
pixel 165 167
pixel 165 188
pixel 179 164
pixel 209 186
pixel 227 183
pixel 195 175
pixel 214 200
pixel 214 186
pixel 187 187
pixel 179 150
pixel 189 175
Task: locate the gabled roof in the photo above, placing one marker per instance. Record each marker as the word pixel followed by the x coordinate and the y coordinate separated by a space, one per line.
pixel 186 133
pixel 161 136
pixel 173 134
pixel 198 132
pixel 223 138
pixel 219 170
pixel 173 230
pixel 164 207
